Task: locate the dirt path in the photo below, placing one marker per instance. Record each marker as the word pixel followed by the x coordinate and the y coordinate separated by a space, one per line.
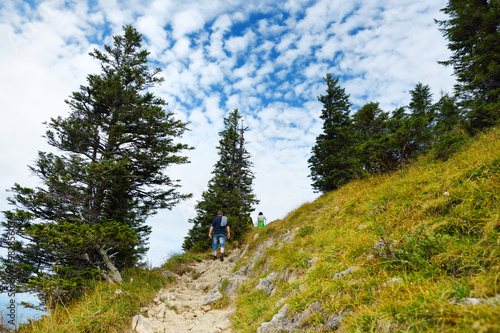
pixel 184 306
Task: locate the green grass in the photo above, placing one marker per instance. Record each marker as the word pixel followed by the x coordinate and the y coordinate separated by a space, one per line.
pixel 443 219
pixel 104 308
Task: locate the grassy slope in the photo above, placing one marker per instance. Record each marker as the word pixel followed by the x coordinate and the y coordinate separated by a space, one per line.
pixel 444 218
pixel 447 248
pixel 105 308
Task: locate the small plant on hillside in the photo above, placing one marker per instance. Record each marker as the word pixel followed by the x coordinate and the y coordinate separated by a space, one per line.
pixel 416 250
pixel 303 232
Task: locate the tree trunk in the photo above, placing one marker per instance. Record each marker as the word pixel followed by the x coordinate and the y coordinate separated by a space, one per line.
pixel 112 270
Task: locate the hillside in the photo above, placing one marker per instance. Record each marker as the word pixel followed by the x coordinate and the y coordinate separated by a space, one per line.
pixel 417 250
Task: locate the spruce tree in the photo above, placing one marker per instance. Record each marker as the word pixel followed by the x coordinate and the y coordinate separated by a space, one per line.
pixel 421 118
pixel 333 162
pixel 474 39
pixel 229 190
pixel 87 219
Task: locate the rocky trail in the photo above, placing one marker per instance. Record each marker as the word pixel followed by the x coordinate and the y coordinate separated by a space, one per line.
pixel 202 299
pixel 192 303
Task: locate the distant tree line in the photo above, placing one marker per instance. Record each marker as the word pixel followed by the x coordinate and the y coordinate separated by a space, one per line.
pixel 353 145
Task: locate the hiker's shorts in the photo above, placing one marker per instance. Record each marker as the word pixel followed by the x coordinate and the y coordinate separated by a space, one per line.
pixel 218 240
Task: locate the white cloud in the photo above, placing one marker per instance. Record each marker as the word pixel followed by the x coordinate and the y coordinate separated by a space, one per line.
pixel 186 22
pixel 240 43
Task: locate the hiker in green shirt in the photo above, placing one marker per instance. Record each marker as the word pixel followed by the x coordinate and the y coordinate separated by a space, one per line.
pixel 261 220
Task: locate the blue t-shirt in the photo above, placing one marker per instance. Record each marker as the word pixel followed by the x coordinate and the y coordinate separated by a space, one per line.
pixel 218 229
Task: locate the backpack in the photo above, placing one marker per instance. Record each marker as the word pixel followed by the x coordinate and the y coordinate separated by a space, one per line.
pixel 223 221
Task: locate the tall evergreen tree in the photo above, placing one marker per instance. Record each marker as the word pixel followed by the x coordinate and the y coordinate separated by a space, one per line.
pixel 333 162
pixel 88 217
pixel 370 124
pixel 229 190
pixel 421 118
pixel 474 38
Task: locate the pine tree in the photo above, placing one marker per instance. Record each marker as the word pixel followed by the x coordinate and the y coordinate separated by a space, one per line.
pixel 229 190
pixel 421 119
pixel 474 38
pixel 88 217
pixel 333 162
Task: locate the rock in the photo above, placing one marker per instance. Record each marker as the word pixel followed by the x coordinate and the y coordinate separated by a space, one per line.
pixel 471 301
pixel 280 302
pixel 276 322
pixel 333 321
pixel 392 281
pixel 254 258
pixel 265 245
pixel 266 284
pixel 169 274
pixel 245 250
pixel 233 283
pixel 213 296
pixel 313 261
pixel 289 237
pixel 282 322
pixel 289 276
pixel 141 324
pixel 159 311
pixel 383 249
pixel 267 265
pixel 342 274
pixel 493 301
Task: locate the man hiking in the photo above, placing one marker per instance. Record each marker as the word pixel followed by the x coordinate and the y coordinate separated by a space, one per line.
pixel 219 227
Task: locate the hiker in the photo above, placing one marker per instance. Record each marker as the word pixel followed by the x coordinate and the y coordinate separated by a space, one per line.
pixel 219 227
pixel 260 220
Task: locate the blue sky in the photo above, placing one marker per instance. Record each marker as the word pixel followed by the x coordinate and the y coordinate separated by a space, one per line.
pixel 266 58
